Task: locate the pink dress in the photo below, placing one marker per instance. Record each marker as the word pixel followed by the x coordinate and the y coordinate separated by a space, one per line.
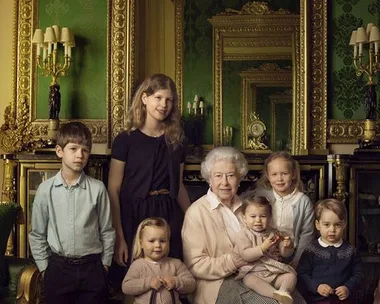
pixel 266 266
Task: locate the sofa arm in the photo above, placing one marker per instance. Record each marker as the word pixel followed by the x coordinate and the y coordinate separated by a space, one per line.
pixel 24 275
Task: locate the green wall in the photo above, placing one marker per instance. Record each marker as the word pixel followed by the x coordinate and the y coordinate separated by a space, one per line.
pixel 345 89
pixel 84 90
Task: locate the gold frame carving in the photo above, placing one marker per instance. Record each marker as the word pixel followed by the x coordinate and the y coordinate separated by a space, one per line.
pixel 21 129
pixel 314 44
pixel 267 75
pixel 178 10
pixel 312 90
pixel 346 131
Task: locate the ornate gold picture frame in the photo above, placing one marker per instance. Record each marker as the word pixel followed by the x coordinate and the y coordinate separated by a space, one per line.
pixel 313 75
pixel 21 130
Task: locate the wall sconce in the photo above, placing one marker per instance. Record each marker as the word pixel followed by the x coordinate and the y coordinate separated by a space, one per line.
pixel 360 38
pixel 50 66
pixel 228 133
pixel 195 124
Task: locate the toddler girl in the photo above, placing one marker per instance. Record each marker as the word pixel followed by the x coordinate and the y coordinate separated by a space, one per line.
pixel 152 269
pixel 293 214
pixel 260 246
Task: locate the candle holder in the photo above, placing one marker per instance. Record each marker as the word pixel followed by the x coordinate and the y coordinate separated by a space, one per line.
pixel 194 125
pixel 228 133
pixel 50 66
pixel 359 39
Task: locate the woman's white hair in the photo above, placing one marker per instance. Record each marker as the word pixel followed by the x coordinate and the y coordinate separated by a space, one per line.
pixel 226 153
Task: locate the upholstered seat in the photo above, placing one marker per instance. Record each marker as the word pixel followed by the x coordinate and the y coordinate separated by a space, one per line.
pixel 20 280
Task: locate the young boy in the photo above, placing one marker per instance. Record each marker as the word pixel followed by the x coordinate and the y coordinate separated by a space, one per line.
pixel 72 237
pixel 330 269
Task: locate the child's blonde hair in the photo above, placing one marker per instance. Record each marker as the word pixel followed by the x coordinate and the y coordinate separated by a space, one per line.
pixel 136 115
pixel 295 167
pixel 333 205
pixel 157 222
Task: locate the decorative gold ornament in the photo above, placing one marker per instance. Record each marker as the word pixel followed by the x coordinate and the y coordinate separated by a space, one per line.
pixel 16 134
pixel 254 8
pixel 256 133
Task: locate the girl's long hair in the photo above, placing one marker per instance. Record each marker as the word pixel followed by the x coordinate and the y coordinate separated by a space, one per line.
pixel 295 167
pixel 151 222
pixel 136 115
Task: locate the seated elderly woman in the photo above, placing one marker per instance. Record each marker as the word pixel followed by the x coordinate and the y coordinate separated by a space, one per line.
pixel 209 230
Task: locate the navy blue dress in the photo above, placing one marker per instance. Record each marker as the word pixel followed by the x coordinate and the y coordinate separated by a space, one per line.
pixel 150 165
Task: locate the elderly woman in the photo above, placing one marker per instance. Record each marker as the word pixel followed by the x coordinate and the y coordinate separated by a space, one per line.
pixel 209 230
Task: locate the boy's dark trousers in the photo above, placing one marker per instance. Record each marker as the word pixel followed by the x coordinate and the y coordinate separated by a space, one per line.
pixel 75 280
pixel 335 300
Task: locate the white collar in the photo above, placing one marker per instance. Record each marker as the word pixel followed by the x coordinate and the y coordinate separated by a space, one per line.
pixel 291 197
pixel 336 245
pixel 215 201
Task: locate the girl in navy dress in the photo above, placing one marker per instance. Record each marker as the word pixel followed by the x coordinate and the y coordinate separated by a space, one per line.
pixel 147 160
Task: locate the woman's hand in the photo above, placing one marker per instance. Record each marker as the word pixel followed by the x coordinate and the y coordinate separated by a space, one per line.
pixel 168 282
pixel 238 261
pixel 156 283
pixel 121 252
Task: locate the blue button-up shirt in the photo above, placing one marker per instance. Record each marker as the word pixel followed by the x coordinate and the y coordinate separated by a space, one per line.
pixel 72 221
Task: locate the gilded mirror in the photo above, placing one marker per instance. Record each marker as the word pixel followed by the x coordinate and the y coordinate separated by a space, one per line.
pixel 22 129
pixel 252 36
pixel 311 90
pixel 266 91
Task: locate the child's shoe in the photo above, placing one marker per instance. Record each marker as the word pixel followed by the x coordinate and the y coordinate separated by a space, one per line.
pixel 282 297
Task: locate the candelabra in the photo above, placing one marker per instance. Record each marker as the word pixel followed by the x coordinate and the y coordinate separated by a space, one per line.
pixel 359 39
pixel 195 125
pixel 228 133
pixel 50 66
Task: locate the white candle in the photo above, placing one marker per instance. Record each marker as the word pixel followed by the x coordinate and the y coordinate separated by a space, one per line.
pixel 65 46
pixel 189 107
pixel 38 49
pixel 195 107
pixel 44 52
pixel 360 48
pixel 69 51
pixel 355 50
pixel 201 106
pixel 55 45
pixel 49 48
pixel 376 47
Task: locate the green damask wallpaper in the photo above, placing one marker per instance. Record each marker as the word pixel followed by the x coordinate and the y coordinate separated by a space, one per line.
pixel 345 89
pixel 84 90
pixel 197 79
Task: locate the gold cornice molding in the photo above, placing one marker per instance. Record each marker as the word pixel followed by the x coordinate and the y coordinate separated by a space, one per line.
pixel 21 130
pixel 346 131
